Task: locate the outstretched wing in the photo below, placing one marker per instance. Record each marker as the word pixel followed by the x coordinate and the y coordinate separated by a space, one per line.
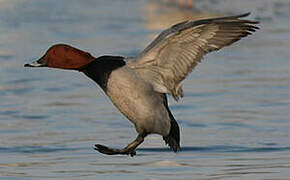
pixel 177 50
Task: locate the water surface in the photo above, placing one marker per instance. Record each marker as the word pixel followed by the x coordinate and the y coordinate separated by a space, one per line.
pixel 234 118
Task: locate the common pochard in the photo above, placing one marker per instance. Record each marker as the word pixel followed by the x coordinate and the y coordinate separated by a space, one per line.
pixel 138 86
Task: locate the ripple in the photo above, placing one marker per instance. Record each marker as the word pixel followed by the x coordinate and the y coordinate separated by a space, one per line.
pixel 20 115
pixel 96 172
pixel 6 54
pixel 34 116
pixel 19 90
pixel 180 107
pixel 54 89
pixel 63 104
pixel 191 124
pixel 235 124
pixel 35 149
pixel 205 94
pixel 9 112
pixel 22 80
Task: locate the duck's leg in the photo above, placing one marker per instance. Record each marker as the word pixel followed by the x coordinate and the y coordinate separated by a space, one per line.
pixel 128 150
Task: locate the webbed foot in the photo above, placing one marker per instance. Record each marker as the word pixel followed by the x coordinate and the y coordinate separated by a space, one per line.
pixel 109 151
pixel 128 150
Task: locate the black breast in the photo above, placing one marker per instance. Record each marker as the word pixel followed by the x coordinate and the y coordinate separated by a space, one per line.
pixel 100 69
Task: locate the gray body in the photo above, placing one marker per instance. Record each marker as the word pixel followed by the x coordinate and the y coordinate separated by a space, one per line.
pixel 138 101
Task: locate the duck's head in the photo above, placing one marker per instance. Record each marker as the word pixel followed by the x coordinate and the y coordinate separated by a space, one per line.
pixel 64 57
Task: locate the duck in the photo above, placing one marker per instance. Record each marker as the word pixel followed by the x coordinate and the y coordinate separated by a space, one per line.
pixel 139 86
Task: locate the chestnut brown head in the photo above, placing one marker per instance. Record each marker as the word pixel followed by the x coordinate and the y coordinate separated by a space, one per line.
pixel 64 57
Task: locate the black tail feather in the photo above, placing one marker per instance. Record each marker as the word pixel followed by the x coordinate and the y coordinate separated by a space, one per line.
pixel 173 138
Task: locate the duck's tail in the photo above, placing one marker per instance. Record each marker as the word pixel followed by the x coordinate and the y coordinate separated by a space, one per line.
pixel 173 138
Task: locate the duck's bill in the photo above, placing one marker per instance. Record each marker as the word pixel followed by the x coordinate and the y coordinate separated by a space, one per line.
pixel 38 63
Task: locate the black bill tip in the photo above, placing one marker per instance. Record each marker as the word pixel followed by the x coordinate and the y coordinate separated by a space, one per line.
pixel 38 63
pixel 28 65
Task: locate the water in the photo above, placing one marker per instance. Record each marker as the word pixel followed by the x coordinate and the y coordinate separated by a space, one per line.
pixel 234 117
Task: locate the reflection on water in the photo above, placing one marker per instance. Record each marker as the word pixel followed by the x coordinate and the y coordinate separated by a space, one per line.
pixel 226 149
pixel 234 117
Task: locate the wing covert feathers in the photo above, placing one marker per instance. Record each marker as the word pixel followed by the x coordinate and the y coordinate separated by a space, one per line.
pixel 177 50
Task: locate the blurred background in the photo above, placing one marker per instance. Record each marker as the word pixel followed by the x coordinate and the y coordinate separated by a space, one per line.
pixel 234 117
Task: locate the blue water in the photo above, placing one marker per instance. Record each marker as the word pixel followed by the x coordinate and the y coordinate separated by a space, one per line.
pixel 234 117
